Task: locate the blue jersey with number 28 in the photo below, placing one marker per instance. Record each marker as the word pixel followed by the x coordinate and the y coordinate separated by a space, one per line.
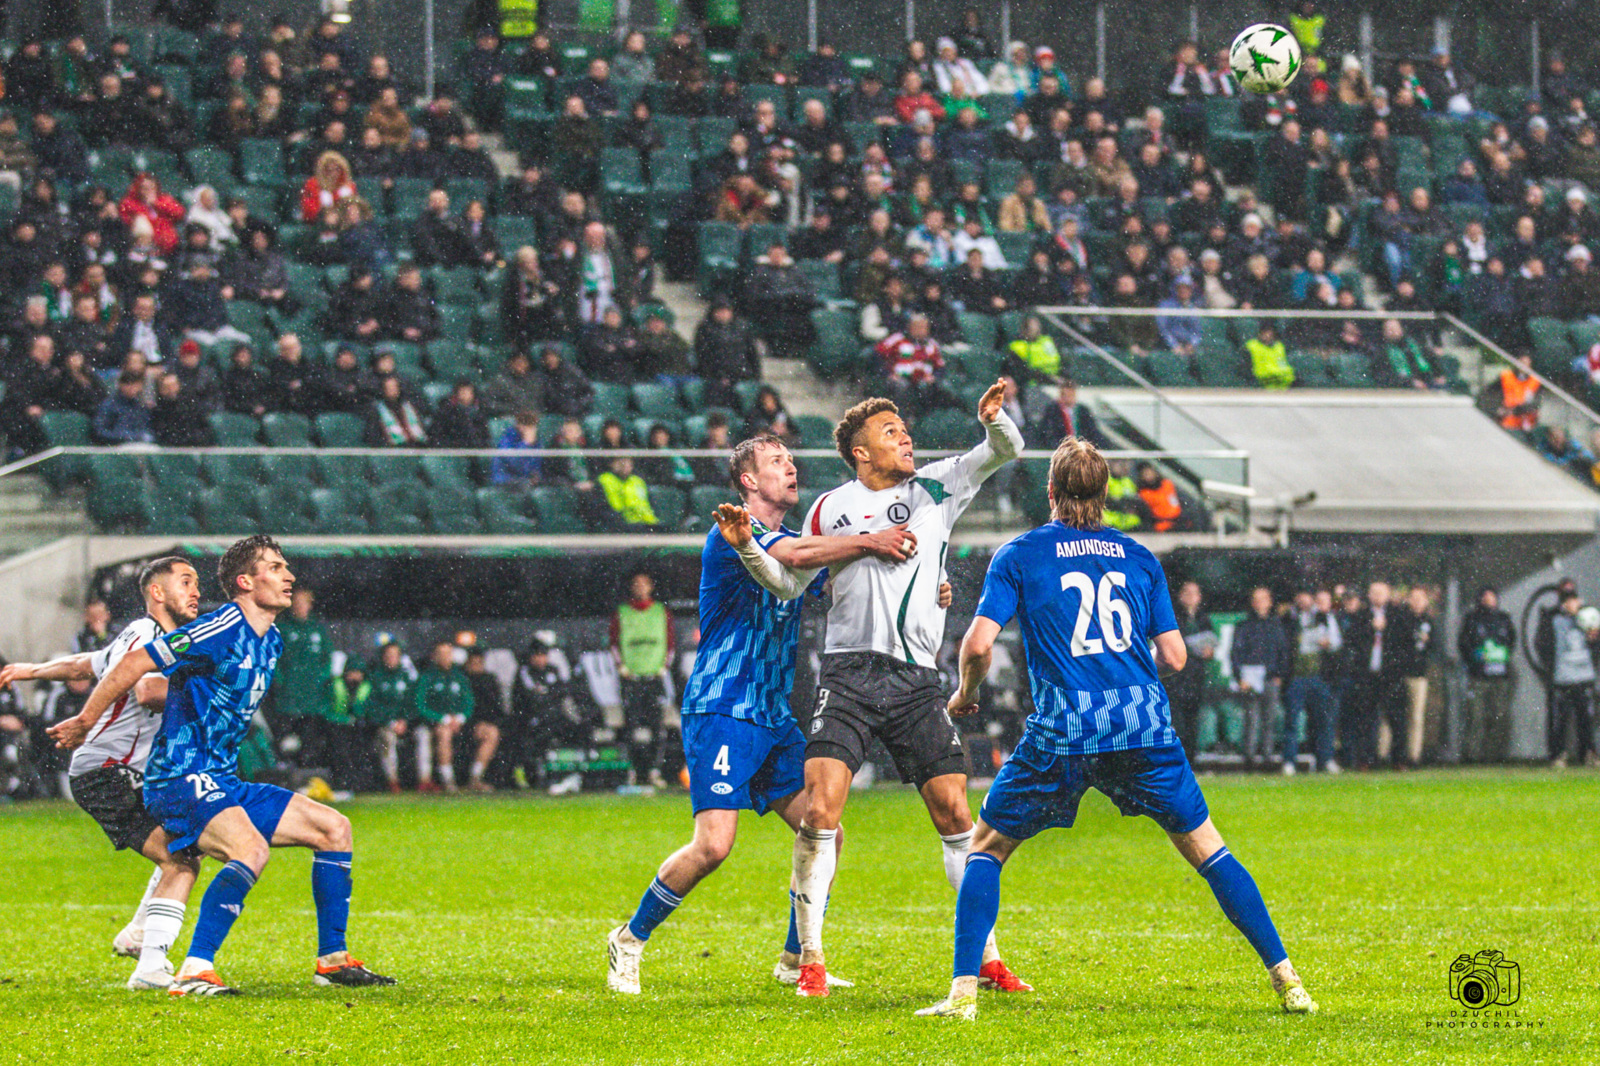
pixel 219 670
pixel 1088 604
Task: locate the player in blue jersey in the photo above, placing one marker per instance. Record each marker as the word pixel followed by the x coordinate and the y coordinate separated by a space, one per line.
pixel 218 668
pixel 742 746
pixel 1090 602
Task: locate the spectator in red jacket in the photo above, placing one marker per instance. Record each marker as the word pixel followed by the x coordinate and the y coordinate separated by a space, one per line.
pixel 145 198
pixel 914 98
pixel 914 365
pixel 329 185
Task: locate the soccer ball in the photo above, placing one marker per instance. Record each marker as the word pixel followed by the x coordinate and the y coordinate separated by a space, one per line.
pixel 1265 58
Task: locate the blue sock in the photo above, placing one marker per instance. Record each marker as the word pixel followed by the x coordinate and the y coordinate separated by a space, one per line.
pixel 977 907
pixel 330 888
pixel 219 908
pixel 792 944
pixel 1241 901
pixel 659 901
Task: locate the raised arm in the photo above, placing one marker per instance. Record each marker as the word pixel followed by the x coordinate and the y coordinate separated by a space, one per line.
pixel 894 545
pixel 112 687
pixel 733 522
pixel 67 668
pixel 977 651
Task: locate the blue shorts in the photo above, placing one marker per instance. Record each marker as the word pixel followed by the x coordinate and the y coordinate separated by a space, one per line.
pixel 736 765
pixel 186 806
pixel 1037 790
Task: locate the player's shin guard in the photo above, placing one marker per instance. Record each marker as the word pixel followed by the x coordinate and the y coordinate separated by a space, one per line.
pixel 658 903
pixel 815 860
pixel 1241 901
pixel 330 889
pixel 956 848
pixel 219 908
pixel 977 907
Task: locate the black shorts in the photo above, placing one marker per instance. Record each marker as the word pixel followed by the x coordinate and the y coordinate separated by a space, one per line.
pixel 861 695
pixel 114 797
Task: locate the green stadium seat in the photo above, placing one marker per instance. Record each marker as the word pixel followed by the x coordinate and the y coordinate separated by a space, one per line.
pixel 228 508
pixel 231 430
pixel 556 509
pixel 453 510
pixel 1169 369
pixel 671 505
pixel 284 501
pixel 610 400
pixel 704 499
pixel 337 470
pixel 1227 372
pixel 211 166
pixel 118 504
pixel 500 514
pixel 231 469
pixel 340 431
pixel 719 251
pixel 1311 370
pixel 276 467
pixel 815 431
pixel 117 468
pixel 657 402
pixel 386 469
pixel 286 430
pixel 1352 370
pixel 261 163
pixel 172 466
pixel 448 472
pixel 946 430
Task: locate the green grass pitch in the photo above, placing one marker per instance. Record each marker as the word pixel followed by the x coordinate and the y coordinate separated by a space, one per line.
pixel 492 912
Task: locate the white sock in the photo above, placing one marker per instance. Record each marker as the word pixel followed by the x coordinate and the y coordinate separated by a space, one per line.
pixel 193 965
pixel 163 921
pixel 956 847
pixel 424 755
pixel 144 901
pixel 389 756
pixel 447 773
pixel 815 860
pixel 477 770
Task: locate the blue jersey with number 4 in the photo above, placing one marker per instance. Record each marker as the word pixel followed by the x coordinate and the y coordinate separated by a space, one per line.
pixel 218 669
pixel 1088 604
pixel 745 664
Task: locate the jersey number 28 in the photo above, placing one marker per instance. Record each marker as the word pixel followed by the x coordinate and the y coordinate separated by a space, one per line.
pixel 1116 620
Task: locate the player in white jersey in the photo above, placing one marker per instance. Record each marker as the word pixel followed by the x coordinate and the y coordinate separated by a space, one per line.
pixel 878 677
pixel 106 774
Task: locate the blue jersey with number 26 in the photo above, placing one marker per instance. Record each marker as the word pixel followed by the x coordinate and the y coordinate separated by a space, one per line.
pixel 219 670
pixel 1088 603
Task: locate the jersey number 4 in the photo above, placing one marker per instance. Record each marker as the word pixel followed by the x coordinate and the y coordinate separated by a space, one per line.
pixel 1116 620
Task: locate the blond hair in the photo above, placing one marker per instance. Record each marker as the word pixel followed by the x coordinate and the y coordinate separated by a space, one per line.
pixel 1078 479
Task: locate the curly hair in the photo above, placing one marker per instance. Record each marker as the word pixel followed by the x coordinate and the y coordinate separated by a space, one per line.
pixel 854 421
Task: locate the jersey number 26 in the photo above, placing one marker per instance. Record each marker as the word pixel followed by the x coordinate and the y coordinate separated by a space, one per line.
pixel 1116 620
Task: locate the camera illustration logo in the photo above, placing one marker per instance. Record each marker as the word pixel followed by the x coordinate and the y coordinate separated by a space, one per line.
pixel 1487 979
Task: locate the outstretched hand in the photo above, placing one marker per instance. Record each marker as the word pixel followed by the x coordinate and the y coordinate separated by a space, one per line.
pixel 990 402
pixel 13 672
pixel 734 522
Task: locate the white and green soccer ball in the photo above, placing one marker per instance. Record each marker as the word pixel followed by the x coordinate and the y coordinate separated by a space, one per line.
pixel 1265 58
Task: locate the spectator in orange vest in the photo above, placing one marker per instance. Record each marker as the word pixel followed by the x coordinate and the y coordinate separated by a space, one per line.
pixel 1161 496
pixel 1517 406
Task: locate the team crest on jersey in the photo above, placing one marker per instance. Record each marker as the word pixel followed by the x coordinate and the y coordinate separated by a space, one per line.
pixel 179 642
pixel 898 513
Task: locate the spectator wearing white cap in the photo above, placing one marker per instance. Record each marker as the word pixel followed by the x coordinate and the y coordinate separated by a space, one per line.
pixel 1014 74
pixel 1579 290
pixel 949 67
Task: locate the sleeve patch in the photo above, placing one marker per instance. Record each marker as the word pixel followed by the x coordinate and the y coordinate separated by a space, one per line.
pixel 162 652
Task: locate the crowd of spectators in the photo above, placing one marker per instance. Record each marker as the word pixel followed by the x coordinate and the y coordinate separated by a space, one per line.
pixel 1359 679
pixel 280 226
